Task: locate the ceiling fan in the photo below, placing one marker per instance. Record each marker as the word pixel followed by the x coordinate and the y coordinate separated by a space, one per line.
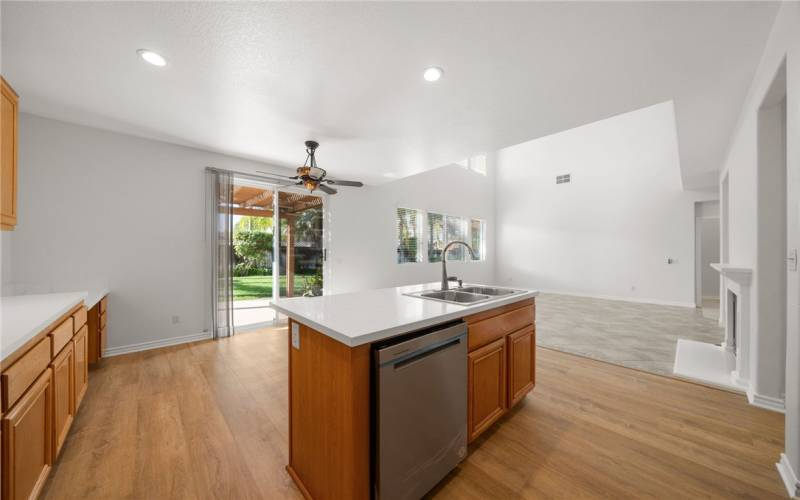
pixel 311 176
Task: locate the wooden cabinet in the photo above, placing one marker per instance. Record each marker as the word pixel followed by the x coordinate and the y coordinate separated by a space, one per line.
pixel 96 321
pixel 8 156
pixel 27 441
pixel 63 367
pixel 42 384
pixel 502 362
pixel 521 348
pixel 81 365
pixel 487 386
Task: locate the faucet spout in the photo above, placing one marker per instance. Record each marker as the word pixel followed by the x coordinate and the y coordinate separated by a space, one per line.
pixel 445 285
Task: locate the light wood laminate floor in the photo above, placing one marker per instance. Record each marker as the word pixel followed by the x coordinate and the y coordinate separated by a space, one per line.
pixel 209 420
pixel 641 336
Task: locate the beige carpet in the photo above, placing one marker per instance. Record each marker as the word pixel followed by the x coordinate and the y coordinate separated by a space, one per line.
pixel 642 336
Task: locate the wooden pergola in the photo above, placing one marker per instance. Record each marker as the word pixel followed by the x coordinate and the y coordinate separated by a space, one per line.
pixel 259 202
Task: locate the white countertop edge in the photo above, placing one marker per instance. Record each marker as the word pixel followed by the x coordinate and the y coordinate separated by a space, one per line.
pixel 408 327
pixel 94 296
pixel 41 324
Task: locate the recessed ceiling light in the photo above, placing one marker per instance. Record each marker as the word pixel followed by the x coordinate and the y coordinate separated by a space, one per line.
pixel 152 57
pixel 433 73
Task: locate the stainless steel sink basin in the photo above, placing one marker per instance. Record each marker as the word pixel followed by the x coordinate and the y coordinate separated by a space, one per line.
pixel 485 290
pixel 457 296
pixel 470 294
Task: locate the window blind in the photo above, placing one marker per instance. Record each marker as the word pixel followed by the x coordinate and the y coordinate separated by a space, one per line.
pixel 408 232
pixel 477 229
pixel 456 230
pixel 436 236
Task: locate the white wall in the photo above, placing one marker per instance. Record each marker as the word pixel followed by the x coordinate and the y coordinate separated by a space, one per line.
pixel 741 166
pixel 609 232
pixel 97 208
pixel 363 232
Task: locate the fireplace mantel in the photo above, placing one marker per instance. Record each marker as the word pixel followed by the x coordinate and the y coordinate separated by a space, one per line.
pixel 740 274
pixel 735 306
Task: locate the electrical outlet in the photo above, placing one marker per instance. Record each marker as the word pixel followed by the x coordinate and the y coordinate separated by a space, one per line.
pixel 296 336
pixel 176 320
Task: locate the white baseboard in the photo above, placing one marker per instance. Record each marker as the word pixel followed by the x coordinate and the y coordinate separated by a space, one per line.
pixel 155 344
pixel 789 478
pixel 766 402
pixel 624 299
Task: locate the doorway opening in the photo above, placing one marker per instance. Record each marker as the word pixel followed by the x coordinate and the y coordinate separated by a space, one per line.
pixel 707 251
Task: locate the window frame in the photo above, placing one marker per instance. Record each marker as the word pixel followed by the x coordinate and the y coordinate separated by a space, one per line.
pixel 419 234
pixel 424 235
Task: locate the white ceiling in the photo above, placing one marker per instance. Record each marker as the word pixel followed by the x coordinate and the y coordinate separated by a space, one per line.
pixel 257 79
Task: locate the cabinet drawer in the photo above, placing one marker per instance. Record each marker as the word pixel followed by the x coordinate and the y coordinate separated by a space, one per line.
pixel 61 335
pixel 103 304
pixel 488 330
pixel 102 320
pixel 19 376
pixel 79 319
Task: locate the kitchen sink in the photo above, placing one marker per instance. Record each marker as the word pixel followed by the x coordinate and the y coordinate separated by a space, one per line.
pixel 470 294
pixel 486 290
pixel 455 296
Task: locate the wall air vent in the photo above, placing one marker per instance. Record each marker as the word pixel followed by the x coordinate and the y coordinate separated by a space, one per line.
pixel 563 179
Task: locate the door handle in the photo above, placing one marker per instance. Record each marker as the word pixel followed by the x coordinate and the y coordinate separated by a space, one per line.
pixel 792 259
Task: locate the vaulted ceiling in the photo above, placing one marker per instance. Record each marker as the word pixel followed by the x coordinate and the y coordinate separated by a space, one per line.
pixel 257 79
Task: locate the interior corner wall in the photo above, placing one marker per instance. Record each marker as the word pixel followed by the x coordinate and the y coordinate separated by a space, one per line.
pixel 363 232
pixel 103 209
pixel 610 231
pixel 741 169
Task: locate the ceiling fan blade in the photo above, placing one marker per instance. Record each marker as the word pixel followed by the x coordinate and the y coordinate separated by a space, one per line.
pixel 345 183
pixel 327 189
pixel 277 175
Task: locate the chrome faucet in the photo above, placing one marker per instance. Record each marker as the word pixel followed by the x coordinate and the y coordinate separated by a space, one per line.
pixel 446 278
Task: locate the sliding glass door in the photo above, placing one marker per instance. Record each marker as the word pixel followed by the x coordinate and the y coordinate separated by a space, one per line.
pixel 302 250
pixel 252 276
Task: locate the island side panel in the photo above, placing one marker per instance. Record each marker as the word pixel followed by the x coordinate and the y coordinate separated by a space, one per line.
pixel 329 426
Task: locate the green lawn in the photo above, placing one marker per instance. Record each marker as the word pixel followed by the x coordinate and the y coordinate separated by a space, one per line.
pixel 260 287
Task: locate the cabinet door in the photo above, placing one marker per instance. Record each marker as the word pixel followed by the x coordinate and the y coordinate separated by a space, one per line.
pixel 63 395
pixel 27 441
pixel 81 365
pixel 8 156
pixel 521 364
pixel 487 386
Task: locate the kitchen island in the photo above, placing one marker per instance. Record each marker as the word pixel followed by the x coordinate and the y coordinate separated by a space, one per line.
pixel 332 343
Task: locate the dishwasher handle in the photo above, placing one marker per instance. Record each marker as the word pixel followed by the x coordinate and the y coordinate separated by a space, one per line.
pixel 418 346
pixel 413 357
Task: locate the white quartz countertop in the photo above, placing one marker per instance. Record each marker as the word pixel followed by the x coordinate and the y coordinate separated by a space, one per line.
pixel 24 316
pixel 369 316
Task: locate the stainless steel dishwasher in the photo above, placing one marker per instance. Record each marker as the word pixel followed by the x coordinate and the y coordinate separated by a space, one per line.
pixel 420 411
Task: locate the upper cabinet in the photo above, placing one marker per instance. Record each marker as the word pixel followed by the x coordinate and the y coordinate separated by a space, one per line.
pixel 8 162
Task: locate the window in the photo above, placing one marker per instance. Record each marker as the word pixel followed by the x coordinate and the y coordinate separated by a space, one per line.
pixel 436 236
pixel 408 235
pixel 440 229
pixel 456 231
pixel 477 230
pixel 477 164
